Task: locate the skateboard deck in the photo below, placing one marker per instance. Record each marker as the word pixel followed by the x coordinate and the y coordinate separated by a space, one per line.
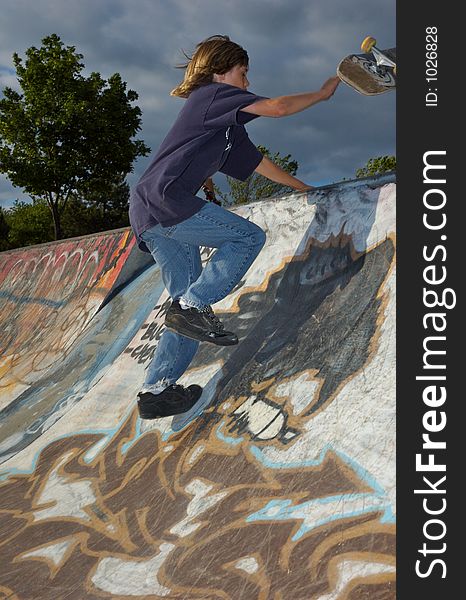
pixel 370 73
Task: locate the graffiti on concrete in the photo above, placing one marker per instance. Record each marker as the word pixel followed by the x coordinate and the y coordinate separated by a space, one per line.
pixel 189 519
pixel 48 295
pixel 323 329
pixel 282 488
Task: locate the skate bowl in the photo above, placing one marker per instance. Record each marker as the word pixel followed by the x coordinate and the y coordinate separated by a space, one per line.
pixel 279 484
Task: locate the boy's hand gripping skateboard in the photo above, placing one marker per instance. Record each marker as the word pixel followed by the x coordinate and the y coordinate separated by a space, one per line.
pixel 371 73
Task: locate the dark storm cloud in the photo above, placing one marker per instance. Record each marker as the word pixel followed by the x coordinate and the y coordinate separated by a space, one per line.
pixel 293 46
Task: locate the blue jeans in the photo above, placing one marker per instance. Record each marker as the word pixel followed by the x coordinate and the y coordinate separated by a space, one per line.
pixel 177 253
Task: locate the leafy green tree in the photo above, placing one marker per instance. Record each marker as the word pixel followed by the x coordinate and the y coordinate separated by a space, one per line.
pixel 113 204
pixel 99 212
pixel 377 166
pixel 257 186
pixel 4 230
pixel 25 223
pixel 66 134
pixel 29 223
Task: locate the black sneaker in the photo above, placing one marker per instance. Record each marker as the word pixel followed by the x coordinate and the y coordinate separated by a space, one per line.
pixel 174 399
pixel 200 325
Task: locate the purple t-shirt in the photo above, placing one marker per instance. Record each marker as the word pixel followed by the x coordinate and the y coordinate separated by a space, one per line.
pixel 207 136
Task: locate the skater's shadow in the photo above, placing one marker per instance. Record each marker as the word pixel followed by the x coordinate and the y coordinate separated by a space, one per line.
pixel 318 314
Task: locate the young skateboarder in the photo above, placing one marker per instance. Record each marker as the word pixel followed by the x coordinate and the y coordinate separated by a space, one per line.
pixel 172 222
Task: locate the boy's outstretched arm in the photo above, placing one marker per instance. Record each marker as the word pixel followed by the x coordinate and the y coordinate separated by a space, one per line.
pixel 269 169
pixel 282 106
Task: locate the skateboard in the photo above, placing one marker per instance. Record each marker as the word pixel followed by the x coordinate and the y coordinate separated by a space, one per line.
pixel 371 73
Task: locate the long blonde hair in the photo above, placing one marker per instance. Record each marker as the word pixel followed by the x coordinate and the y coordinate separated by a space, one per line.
pixel 216 54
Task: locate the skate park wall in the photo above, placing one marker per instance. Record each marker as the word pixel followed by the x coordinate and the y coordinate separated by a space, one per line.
pixel 280 483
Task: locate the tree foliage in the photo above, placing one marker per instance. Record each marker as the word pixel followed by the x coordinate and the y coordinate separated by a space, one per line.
pixel 25 223
pixel 377 166
pixel 257 186
pixel 4 231
pixel 100 212
pixel 28 224
pixel 66 135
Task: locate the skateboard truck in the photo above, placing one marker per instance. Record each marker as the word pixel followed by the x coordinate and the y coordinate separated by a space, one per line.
pixel 370 73
pixel 369 45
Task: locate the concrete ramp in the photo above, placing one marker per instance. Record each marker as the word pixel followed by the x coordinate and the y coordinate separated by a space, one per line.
pixel 49 293
pixel 279 484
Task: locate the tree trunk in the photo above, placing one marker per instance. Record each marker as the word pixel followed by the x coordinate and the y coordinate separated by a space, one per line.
pixel 56 220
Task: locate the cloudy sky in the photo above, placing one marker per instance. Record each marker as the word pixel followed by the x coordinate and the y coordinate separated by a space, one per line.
pixel 293 46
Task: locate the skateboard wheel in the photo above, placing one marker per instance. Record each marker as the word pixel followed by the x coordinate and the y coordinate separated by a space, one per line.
pixel 368 43
pixel 394 70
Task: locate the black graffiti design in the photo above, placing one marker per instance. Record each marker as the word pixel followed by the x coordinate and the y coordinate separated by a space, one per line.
pixel 318 314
